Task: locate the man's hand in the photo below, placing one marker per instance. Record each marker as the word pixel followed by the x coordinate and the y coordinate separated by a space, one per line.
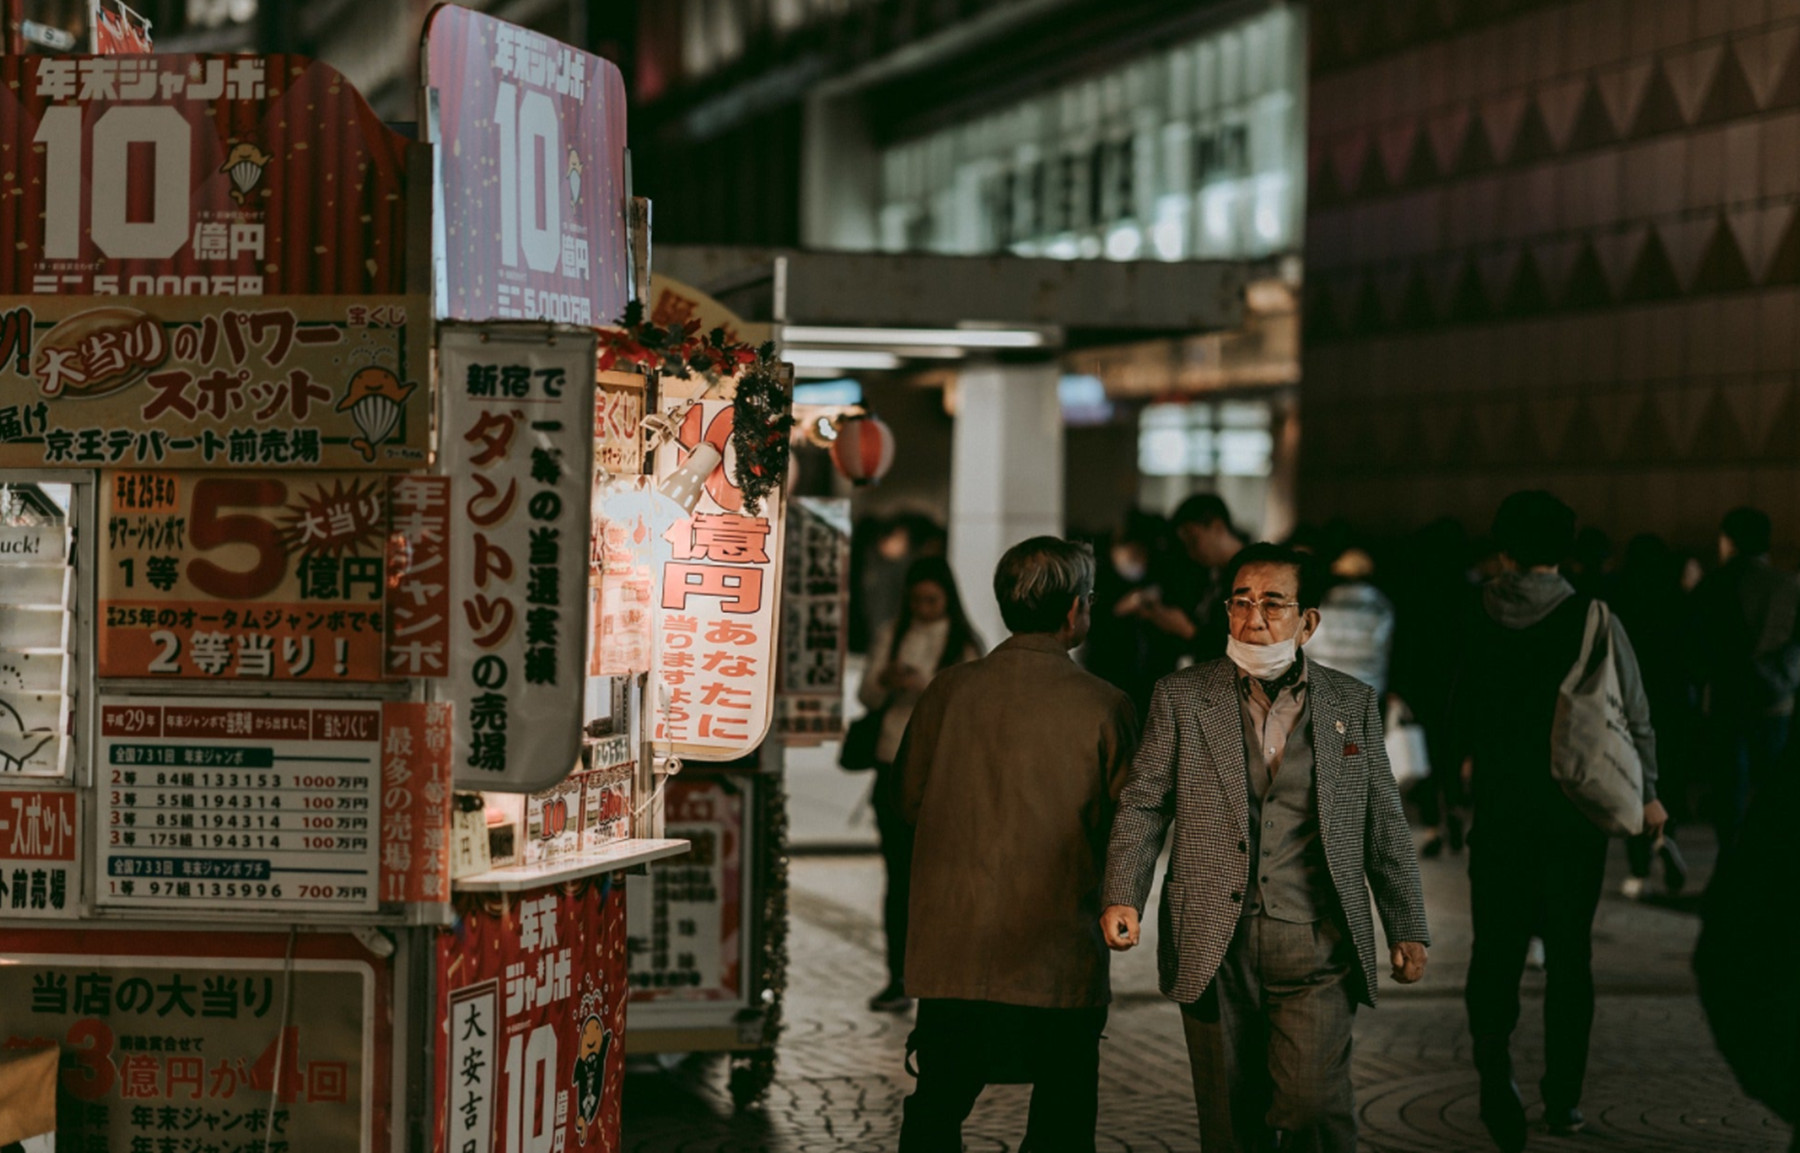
pixel 1408 958
pixel 1119 925
pixel 1655 817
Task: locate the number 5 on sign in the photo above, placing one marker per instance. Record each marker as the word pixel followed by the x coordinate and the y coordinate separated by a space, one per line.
pixel 171 142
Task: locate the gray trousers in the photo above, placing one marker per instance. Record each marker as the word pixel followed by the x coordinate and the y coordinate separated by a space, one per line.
pixel 1269 1041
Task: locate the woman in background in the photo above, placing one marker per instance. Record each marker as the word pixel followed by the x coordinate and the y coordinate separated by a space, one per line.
pixel 932 633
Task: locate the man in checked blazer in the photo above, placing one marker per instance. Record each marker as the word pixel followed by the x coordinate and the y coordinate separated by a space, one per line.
pixel 1274 773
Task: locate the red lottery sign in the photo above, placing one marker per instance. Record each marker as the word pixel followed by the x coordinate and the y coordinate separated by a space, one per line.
pixel 716 616
pixel 531 164
pixel 196 176
pixel 531 1022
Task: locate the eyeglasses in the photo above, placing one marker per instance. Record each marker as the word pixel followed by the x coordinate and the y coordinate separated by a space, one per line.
pixel 1271 608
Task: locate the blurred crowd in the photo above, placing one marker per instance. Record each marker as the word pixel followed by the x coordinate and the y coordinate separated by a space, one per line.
pixel 1471 652
pixel 1714 634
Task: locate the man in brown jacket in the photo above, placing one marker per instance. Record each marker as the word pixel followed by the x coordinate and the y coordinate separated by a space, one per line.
pixel 1011 767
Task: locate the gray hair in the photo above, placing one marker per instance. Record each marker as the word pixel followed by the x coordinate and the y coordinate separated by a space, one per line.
pixel 1038 579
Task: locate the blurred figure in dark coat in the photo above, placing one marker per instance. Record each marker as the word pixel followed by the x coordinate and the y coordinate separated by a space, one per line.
pixel 1750 665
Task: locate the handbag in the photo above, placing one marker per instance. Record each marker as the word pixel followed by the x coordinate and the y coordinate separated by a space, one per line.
pixel 857 753
pixel 1592 755
pixel 1406 748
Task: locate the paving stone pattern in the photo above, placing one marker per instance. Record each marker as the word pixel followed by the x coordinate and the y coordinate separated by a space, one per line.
pixel 1656 1082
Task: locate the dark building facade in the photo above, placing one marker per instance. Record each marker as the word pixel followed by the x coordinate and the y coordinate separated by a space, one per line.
pixel 1553 244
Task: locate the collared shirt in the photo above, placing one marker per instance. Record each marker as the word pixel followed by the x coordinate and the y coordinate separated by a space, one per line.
pixel 1289 880
pixel 1273 709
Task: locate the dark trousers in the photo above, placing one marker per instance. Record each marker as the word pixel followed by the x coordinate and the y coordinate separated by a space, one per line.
pixel 1525 884
pixel 896 856
pixel 1749 751
pixel 962 1047
pixel 1269 1041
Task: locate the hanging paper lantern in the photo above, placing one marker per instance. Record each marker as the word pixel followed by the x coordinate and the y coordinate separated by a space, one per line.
pixel 864 449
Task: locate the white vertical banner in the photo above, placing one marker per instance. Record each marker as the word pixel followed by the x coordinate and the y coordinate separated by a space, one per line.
pixel 517 441
pixel 717 601
pixel 474 1022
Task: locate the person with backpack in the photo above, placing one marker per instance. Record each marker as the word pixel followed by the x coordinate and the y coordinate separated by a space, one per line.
pixel 1537 855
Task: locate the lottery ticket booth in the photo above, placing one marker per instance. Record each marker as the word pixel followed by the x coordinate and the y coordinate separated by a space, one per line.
pixel 316 809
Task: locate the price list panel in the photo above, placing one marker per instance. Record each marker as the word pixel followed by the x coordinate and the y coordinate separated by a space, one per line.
pixel 219 803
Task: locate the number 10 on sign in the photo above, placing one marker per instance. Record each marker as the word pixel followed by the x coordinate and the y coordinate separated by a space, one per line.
pixel 170 140
pixel 530 156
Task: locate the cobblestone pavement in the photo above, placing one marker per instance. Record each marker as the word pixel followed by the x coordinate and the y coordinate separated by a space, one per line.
pixel 1656 1081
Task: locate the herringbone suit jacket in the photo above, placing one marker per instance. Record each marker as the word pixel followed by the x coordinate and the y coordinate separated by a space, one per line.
pixel 1189 772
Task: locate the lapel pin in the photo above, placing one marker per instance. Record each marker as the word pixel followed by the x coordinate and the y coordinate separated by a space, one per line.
pixel 1340 726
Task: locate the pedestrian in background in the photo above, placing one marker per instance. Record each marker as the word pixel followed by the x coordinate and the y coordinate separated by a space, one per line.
pixel 1272 770
pixel 1011 767
pixel 1125 647
pixel 931 634
pixel 1188 604
pixel 1750 665
pixel 1536 863
pixel 1356 623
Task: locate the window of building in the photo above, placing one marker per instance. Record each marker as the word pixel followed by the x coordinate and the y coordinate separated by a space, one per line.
pixel 1190 152
pixel 1227 447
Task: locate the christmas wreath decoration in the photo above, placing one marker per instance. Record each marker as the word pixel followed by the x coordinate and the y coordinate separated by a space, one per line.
pixel 762 408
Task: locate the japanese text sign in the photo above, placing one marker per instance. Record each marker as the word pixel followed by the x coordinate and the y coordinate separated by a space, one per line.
pixel 531 170
pixel 175 1038
pixel 618 423
pixel 197 175
pixel 213 804
pixel 815 609
pixel 629 554
pixel 518 441
pixel 685 920
pixel 243 576
pixel 419 572
pixel 531 1025
pixel 39 870
pixel 200 382
pixel 415 802
pixel 716 610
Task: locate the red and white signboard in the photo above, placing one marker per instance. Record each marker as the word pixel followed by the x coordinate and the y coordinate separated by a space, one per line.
pixel 415 802
pixel 196 175
pixel 39 875
pixel 418 639
pixel 531 171
pixel 531 1023
pixel 176 1040
pixel 717 610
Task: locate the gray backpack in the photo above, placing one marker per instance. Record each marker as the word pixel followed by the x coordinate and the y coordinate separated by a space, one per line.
pixel 1592 755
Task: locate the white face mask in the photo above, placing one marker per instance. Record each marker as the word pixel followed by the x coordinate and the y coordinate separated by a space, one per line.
pixel 1264 662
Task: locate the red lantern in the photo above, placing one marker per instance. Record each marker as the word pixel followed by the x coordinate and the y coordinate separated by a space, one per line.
pixel 864 449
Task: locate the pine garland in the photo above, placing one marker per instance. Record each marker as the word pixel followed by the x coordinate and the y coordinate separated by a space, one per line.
pixel 762 409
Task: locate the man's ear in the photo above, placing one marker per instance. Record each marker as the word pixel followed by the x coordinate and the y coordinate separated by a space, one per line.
pixel 1309 624
pixel 1073 614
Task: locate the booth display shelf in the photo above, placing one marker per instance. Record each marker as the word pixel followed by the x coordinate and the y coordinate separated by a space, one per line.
pixel 607 859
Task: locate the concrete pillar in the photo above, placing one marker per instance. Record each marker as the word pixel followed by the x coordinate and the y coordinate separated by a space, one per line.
pixel 1006 475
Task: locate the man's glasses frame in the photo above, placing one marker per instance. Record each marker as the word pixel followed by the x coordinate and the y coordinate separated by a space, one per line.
pixel 1271 608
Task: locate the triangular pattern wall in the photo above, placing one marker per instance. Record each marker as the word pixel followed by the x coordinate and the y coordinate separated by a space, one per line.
pixel 1593 280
